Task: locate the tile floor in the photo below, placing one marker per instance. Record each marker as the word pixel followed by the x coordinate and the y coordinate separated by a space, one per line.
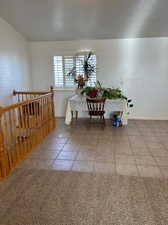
pixel 140 149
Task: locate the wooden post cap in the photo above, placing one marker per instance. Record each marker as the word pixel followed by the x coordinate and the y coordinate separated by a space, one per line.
pixel 14 92
pixel 1 110
pixel 51 88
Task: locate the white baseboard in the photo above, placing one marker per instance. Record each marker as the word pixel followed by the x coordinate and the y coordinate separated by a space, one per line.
pixel 129 117
pixel 148 118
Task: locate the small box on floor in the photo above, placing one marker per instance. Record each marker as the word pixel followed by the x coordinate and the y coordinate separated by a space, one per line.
pixel 116 119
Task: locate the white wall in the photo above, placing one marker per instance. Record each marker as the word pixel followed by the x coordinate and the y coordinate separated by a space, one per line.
pixel 14 63
pixel 138 66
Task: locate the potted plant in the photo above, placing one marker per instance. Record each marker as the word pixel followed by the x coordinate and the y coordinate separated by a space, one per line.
pixel 88 69
pixel 80 81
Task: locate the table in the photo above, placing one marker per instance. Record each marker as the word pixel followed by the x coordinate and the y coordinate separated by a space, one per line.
pixel 78 103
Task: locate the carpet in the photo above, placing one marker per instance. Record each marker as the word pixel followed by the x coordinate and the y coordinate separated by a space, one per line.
pixel 46 197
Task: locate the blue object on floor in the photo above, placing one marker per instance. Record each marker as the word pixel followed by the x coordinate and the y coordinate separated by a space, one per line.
pixel 116 121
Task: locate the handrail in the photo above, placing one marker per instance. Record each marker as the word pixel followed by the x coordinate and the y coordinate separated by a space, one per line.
pixel 13 106
pixel 30 92
pixel 33 92
pixel 23 126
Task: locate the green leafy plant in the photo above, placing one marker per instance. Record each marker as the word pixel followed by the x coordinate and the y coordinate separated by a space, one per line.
pixel 88 67
pixel 108 93
pixel 113 93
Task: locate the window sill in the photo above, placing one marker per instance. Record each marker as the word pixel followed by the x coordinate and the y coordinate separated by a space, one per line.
pixel 64 89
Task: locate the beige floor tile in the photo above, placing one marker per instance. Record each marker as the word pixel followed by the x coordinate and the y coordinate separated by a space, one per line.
pixel 159 152
pixel 70 147
pixel 164 171
pixel 36 163
pixel 133 133
pixel 120 139
pixel 67 155
pixel 138 144
pixel 149 139
pixel 83 166
pixel 87 147
pixel 127 170
pixel 123 150
pixel 45 150
pixel 82 142
pixel 149 171
pixel 105 148
pixel 105 156
pixel 86 155
pixel 122 145
pixel 49 147
pixel 125 159
pixel 44 154
pixel 162 161
pixel 62 165
pixel 103 167
pixel 141 151
pixel 60 140
pixel 153 145
pixel 145 160
pixel 134 139
pixel 52 146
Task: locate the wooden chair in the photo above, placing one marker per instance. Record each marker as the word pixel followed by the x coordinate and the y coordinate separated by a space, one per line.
pixel 96 108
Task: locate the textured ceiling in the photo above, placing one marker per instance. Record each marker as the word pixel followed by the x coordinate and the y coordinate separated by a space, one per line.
pixel 49 20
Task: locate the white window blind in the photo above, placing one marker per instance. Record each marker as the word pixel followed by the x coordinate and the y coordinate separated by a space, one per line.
pixel 62 65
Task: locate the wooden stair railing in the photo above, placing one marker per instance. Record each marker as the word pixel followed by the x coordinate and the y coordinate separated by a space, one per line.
pixel 23 126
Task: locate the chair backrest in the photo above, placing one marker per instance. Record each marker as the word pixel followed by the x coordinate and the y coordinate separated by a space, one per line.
pixel 95 105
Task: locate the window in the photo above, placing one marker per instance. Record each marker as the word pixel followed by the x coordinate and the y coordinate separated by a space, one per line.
pixel 64 64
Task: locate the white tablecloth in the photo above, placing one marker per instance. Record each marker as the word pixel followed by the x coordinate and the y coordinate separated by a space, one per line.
pixel 78 103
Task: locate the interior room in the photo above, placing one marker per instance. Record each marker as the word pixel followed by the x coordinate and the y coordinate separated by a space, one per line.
pixel 83 113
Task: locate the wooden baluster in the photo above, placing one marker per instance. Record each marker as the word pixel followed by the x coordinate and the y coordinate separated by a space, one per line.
pixel 10 147
pixel 7 139
pixel 18 130
pixel 42 100
pixel 32 124
pixel 42 114
pixel 46 117
pixel 17 150
pixel 12 139
pixel 29 125
pixel 52 101
pixel 51 113
pixel 20 125
pixel 48 114
pixel 36 124
pixel 46 109
pixel 3 166
pixel 40 119
pixel 22 130
pixel 38 113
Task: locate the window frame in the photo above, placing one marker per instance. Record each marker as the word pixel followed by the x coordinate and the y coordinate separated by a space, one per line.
pixel 64 87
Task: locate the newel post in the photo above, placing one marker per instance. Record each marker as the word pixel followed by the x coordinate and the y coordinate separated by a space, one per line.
pixel 14 93
pixel 2 148
pixel 52 104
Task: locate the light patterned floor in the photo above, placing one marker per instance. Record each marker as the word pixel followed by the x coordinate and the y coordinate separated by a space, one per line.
pixel 140 149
